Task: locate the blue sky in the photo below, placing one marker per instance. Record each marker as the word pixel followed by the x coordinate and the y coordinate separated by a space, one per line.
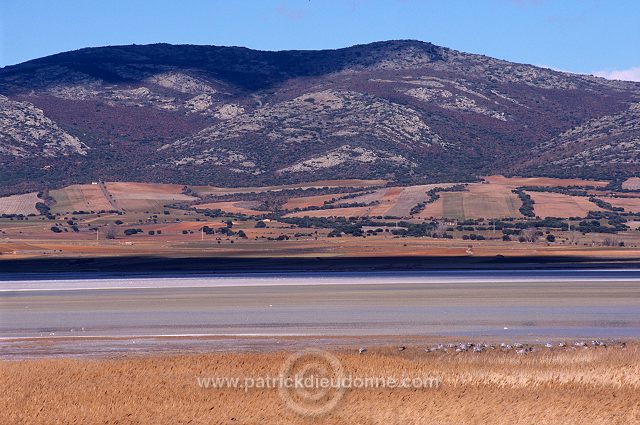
pixel 574 35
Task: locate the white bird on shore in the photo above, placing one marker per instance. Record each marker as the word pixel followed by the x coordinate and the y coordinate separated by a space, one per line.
pixel 440 347
pixel 362 350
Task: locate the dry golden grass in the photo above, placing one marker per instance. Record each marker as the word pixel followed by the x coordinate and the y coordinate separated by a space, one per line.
pixel 233 207
pixel 80 197
pixel 629 204
pixel 132 196
pixel 20 204
pixel 213 190
pixel 394 201
pixel 173 228
pixel 334 212
pixel 173 245
pixel 409 197
pixel 391 201
pixel 549 204
pixel 479 201
pixel 632 183
pixel 120 188
pixel 594 386
pixel 310 201
pixel 542 181
pixel 387 200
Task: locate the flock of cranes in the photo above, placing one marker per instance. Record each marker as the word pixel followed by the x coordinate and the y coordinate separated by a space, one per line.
pixel 517 347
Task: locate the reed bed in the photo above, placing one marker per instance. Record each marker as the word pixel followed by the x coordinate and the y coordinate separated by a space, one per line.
pixel 594 385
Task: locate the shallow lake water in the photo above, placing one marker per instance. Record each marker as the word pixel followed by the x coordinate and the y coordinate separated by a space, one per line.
pixel 531 305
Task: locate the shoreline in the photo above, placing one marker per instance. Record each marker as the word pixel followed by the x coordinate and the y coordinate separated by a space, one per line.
pixel 117 266
pixel 109 347
pixel 90 282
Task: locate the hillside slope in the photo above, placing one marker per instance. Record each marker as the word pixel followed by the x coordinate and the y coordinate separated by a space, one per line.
pixel 405 111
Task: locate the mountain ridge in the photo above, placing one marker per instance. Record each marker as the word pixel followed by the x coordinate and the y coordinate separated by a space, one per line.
pixel 402 110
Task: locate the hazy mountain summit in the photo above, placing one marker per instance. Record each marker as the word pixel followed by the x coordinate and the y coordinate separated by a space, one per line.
pixel 399 110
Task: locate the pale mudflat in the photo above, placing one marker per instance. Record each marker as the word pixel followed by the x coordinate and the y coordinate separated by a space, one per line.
pixel 525 305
